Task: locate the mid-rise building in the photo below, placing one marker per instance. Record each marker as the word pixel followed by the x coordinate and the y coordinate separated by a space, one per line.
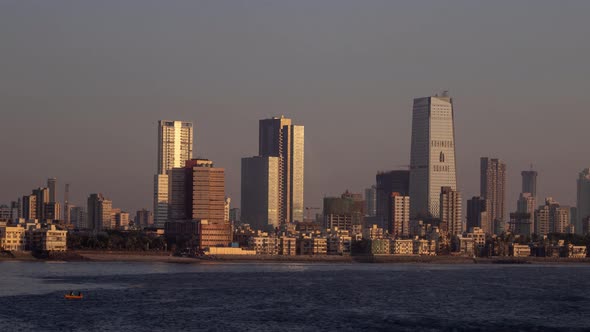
pixel 52 211
pixel 79 217
pixel 552 218
pixel 450 211
pixel 402 247
pixel 432 159
pixel 342 212
pixel 493 188
pixel 400 215
pixel 99 212
pixel 48 238
pixel 12 238
pixel 143 218
pixel 388 183
pixel 42 197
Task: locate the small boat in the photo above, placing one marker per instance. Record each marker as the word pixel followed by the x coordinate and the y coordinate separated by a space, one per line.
pixel 74 296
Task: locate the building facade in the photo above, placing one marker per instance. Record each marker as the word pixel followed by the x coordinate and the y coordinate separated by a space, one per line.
pixel 387 183
pixel 260 192
pixel 450 211
pixel 477 214
pixel 493 188
pixel 99 212
pixel 432 159
pixel 583 199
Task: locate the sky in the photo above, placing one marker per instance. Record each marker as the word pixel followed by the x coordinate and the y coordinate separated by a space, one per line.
pixel 83 84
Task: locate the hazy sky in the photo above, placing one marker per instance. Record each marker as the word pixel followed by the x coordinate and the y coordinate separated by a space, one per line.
pixel 83 83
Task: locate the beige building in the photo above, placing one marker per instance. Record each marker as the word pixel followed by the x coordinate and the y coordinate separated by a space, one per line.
pixel 402 247
pixel 287 246
pixel 493 188
pixel 48 239
pixel 450 211
pixel 400 213
pixel 373 232
pixel 12 238
pixel 520 250
pixel 424 247
pixel 380 246
pixel 313 246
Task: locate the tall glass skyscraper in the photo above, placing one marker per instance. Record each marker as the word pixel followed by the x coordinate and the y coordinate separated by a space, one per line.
pixel 432 159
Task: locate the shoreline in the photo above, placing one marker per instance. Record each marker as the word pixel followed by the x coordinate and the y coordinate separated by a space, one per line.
pixel 164 257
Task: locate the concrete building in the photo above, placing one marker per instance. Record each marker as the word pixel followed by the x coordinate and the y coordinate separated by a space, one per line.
pixel 477 214
pixel 99 212
pixel 479 238
pixel 12 238
pixel 529 182
pixel 5 213
pixel 552 218
pixel 493 188
pixel 313 246
pixel 371 201
pixel 278 137
pixel 52 211
pixel 450 211
pixel 520 223
pixel 120 219
pixel 226 209
pixel 432 159
pixel 342 212
pixel 79 217
pixel 260 204
pixel 519 250
pixel 48 238
pixel 373 232
pixel 527 203
pixel 175 147
pixel 287 246
pixel 424 247
pixel 583 199
pixel 41 197
pixel 29 207
pixel 402 247
pixel 51 186
pixel 388 183
pixel 380 246
pixel 199 234
pixel 400 215
pixel 339 244
pixel 143 218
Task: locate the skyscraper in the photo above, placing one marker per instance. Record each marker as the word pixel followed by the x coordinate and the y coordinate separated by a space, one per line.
pixel 51 185
pixel 279 138
pixel 371 201
pixel 583 199
pixel 527 203
pixel 432 159
pixel 493 188
pixel 388 183
pixel 400 215
pixel 99 212
pixel 529 182
pixel 260 192
pixel 42 197
pixel 450 211
pixel 175 147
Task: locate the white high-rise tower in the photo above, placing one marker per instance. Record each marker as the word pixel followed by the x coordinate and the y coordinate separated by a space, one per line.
pixel 175 147
pixel 432 160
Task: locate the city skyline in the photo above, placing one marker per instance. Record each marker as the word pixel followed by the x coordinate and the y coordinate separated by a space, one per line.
pixel 363 99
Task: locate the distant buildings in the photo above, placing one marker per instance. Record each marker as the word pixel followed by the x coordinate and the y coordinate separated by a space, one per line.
pixel 260 192
pixel 432 159
pixel 529 182
pixel 552 218
pixel 342 213
pixel 371 201
pixel 399 225
pixel 143 218
pixel 175 147
pixel 493 188
pixel 527 204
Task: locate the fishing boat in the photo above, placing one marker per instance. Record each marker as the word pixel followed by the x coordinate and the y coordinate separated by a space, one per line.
pixel 74 296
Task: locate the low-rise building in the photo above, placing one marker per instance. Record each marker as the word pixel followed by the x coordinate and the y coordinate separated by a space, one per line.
pixel 520 250
pixel 12 238
pixel 424 247
pixel 229 251
pixel 287 246
pixel 466 246
pixel 576 251
pixel 402 247
pixel 339 244
pixel 264 245
pixel 380 246
pixel 48 238
pixel 373 232
pixel 313 246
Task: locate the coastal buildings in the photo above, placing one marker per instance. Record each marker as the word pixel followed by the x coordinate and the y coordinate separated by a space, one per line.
pixel 342 213
pixel 399 226
pixel 388 183
pixel 477 214
pixel 527 204
pixel 143 218
pixel 493 188
pixel 12 237
pixel 175 147
pixel 432 158
pixel 371 201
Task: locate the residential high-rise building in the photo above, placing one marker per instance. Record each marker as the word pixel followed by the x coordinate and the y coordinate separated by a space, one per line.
pixel 477 214
pixel 493 188
pixel 279 138
pixel 371 201
pixel 552 218
pixel 29 207
pixel 583 199
pixel 432 159
pixel 388 183
pixel 51 185
pixel 52 211
pixel 529 182
pixel 99 212
pixel 143 218
pixel 399 226
pixel 175 147
pixel 450 211
pixel 260 192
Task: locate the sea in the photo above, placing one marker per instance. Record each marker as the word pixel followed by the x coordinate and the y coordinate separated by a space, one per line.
pixel 212 296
